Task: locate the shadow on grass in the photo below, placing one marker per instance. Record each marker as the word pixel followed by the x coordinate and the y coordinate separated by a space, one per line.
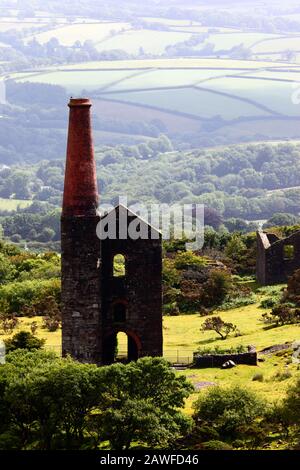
pixel 209 341
pixel 271 327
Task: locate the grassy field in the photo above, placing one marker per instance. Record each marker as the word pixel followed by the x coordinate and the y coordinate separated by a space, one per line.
pixel 69 34
pixel 13 204
pixel 150 41
pixel 278 45
pixel 18 25
pixel 195 87
pixel 225 41
pixel 261 92
pixel 192 102
pixel 182 336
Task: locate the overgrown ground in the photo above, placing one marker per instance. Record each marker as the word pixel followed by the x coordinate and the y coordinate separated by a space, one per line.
pixel 182 336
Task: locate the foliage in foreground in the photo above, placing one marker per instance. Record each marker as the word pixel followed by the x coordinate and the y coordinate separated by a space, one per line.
pixel 51 403
pixel 228 410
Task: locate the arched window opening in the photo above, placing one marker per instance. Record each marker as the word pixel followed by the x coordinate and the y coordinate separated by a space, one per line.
pixel 126 348
pixel 121 347
pixel 288 252
pixel 119 312
pixel 119 266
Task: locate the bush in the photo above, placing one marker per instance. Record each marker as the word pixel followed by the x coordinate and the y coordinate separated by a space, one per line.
pixel 282 315
pixel 268 303
pixel 33 327
pixel 240 301
pixel 216 445
pixel 24 295
pixel 280 376
pixel 228 410
pixel 9 323
pixel 259 377
pixel 290 406
pixel 188 260
pixel 23 340
pixel 219 350
pixel 217 287
pixel 51 323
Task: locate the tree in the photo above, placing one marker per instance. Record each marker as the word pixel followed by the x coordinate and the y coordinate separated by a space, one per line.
pixel 219 326
pixel 281 219
pixel 228 411
pixel 134 418
pixel 63 404
pixel 235 248
pixel 7 269
pixel 151 383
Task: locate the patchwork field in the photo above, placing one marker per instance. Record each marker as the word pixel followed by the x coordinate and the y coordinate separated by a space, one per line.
pixel 278 45
pixel 227 40
pixel 230 92
pixel 88 31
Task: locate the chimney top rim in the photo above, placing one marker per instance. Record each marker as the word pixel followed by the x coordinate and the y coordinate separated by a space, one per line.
pixel 79 102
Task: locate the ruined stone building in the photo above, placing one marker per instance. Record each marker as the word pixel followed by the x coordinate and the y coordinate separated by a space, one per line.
pixel 277 258
pixel 98 303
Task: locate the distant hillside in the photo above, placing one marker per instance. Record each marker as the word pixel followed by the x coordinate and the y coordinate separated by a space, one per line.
pixel 243 181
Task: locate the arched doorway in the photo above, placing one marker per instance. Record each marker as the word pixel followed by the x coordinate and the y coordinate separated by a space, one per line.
pixel 121 346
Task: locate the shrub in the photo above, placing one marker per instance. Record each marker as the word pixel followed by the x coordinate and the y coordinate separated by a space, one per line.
pixel 282 315
pixel 290 407
pixel 171 309
pixel 23 340
pixel 228 410
pixel 51 323
pixel 24 295
pixel 240 301
pixel 33 327
pixel 268 303
pixel 280 376
pixel 219 350
pixel 188 259
pixel 259 377
pixel 217 287
pixel 9 323
pixel 216 445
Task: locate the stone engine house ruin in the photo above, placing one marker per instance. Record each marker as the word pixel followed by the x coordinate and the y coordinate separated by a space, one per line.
pixel 98 303
pixel 277 259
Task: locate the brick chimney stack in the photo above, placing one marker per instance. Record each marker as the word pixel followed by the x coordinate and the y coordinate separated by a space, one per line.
pixel 80 246
pixel 80 188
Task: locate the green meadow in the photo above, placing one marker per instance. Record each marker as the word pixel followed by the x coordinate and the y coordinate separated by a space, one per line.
pixel 183 336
